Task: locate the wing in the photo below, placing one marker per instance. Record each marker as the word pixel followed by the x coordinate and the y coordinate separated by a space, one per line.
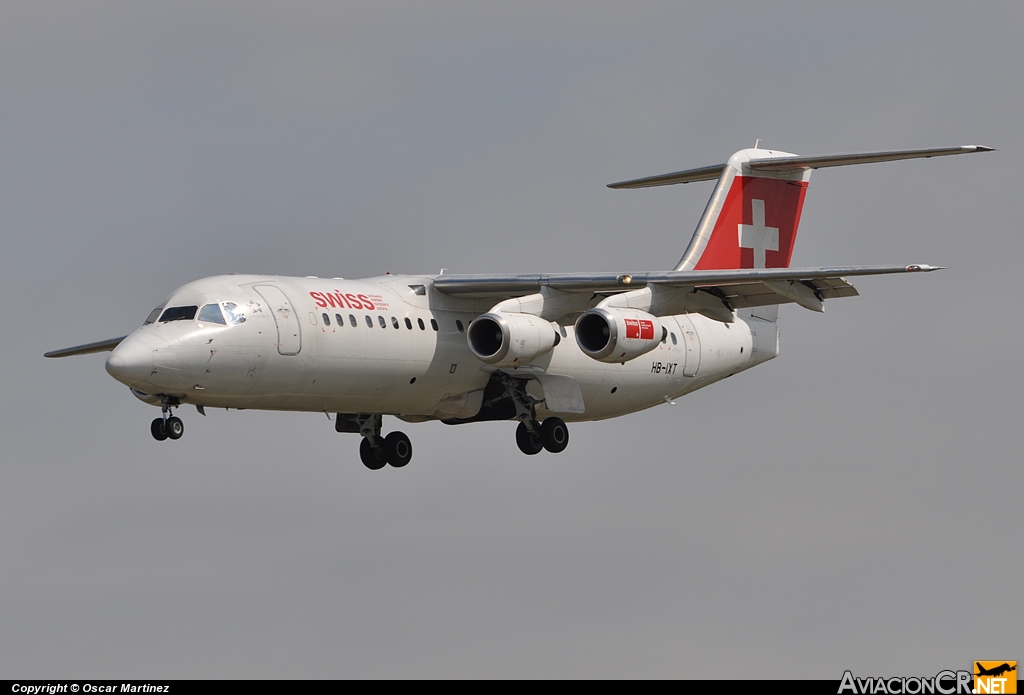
pixel 101 346
pixel 716 289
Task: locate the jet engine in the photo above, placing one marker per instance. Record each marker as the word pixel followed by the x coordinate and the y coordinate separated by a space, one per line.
pixel 618 335
pixel 510 340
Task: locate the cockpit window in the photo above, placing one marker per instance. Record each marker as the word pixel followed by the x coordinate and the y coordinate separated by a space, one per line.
pixel 179 313
pixel 233 313
pixel 153 315
pixel 211 314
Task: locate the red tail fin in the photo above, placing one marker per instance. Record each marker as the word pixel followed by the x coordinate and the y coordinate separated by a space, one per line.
pixel 752 218
pixel 756 227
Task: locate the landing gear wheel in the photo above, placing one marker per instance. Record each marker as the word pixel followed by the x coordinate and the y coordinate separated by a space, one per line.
pixel 528 444
pixel 175 428
pixel 158 430
pixel 397 449
pixel 554 435
pixel 372 456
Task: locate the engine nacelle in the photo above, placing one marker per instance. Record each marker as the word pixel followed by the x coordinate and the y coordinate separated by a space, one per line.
pixel 618 335
pixel 510 340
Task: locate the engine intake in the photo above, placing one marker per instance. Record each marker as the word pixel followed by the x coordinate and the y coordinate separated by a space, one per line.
pixel 618 335
pixel 510 340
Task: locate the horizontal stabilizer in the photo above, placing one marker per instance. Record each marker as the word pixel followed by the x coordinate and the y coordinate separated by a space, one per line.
pixel 839 160
pixel 710 173
pixel 101 346
pixel 792 163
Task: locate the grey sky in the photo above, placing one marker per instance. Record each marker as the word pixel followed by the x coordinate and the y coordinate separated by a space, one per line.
pixel 852 504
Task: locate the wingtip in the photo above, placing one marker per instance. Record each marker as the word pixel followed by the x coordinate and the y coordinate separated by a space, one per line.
pixel 980 148
pixel 923 268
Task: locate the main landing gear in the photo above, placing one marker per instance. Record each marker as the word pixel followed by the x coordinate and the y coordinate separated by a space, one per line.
pixel 552 435
pixel 375 451
pixel 168 426
pixel 532 436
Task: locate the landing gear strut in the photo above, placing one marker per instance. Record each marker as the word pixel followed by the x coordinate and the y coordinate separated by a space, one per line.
pixel 532 436
pixel 376 451
pixel 168 426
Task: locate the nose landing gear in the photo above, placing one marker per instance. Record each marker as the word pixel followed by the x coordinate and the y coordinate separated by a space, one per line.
pixel 168 426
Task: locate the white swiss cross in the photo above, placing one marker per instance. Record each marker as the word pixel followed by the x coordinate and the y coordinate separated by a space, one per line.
pixel 758 237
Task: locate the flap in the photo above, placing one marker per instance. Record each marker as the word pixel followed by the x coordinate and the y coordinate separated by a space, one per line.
pixel 561 393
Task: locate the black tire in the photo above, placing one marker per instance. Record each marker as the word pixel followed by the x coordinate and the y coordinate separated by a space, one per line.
pixel 528 444
pixel 158 430
pixel 554 435
pixel 175 428
pixel 397 449
pixel 372 456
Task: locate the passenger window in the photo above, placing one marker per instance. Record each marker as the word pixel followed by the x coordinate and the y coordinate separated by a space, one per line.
pixel 381 321
pixel 179 313
pixel 394 322
pixel 155 314
pixel 327 319
pixel 433 324
pixel 458 324
pixel 673 338
pixel 352 320
pixel 369 321
pixel 420 322
pixel 340 321
pixel 211 314
pixel 233 313
pixel 408 323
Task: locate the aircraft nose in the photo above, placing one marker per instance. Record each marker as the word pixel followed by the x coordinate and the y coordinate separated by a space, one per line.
pixel 130 362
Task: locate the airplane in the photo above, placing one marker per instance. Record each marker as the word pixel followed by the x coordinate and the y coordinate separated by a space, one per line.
pixel 537 349
pixel 995 671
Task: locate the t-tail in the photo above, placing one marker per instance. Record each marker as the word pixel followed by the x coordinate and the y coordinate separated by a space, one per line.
pixel 753 215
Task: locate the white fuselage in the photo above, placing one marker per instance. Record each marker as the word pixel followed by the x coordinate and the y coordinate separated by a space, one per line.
pixel 405 355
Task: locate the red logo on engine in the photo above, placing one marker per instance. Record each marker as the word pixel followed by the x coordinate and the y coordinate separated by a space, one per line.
pixel 639 329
